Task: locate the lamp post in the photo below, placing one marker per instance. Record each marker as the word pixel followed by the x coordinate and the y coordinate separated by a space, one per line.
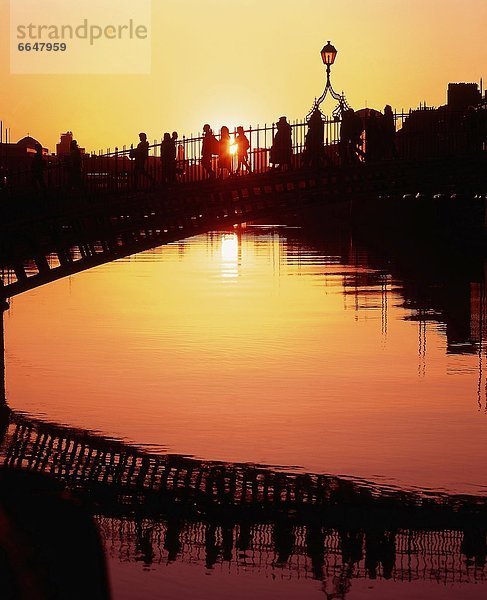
pixel 328 56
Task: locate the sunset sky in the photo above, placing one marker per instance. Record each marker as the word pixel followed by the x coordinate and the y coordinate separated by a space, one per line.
pixel 250 61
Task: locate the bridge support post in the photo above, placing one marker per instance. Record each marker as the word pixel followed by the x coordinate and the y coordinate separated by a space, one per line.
pixel 3 396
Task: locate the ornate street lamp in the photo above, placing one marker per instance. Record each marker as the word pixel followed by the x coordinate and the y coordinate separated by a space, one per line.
pixel 328 55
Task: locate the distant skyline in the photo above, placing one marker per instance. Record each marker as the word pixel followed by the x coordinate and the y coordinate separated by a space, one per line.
pixel 248 62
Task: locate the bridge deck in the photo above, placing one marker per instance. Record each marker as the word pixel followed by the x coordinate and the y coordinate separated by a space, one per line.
pixel 66 236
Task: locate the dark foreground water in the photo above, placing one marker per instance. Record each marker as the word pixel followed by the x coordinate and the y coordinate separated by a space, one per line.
pixel 274 346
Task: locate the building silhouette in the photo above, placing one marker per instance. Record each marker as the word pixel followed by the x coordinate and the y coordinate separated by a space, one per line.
pixel 63 147
pixel 455 128
pixel 462 95
pixel 17 157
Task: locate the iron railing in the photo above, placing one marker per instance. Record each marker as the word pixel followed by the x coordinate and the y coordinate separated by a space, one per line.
pixel 417 136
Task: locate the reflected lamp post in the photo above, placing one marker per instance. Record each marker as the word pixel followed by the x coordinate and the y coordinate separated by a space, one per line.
pixel 328 56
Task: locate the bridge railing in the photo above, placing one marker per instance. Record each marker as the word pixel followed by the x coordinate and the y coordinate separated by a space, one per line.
pixel 260 143
pixel 420 134
pixel 114 170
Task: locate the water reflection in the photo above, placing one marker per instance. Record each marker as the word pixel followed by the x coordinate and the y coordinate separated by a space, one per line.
pixel 230 255
pixel 158 509
pixel 322 354
pixel 357 374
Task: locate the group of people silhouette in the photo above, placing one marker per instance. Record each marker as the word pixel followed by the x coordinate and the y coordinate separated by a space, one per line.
pixel 222 148
pixel 172 155
pixel 223 156
pixel 376 129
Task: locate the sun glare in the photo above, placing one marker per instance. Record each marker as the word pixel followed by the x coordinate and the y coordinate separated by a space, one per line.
pixel 233 148
pixel 229 247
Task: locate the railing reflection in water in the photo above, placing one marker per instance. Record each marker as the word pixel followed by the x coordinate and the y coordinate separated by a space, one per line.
pixel 311 553
pixel 156 509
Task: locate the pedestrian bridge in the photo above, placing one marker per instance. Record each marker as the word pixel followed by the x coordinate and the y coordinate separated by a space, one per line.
pixel 41 241
pixel 66 225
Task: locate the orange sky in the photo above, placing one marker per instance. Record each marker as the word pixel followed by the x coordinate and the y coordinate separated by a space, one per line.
pixel 249 61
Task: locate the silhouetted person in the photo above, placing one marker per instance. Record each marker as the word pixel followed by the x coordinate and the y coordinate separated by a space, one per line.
pixel 74 166
pixel 282 145
pixel 208 148
pixel 140 155
pixel 227 541
pixel 211 546
pixel 172 542
pixel 174 137
pixel 224 154
pixel 356 140
pixel 351 544
pixel 243 146
pixel 380 548
pixel 350 132
pixel 314 151
pixel 389 133
pixel 315 545
pixel 181 162
pixel 37 169
pixel 168 159
pixel 284 539
pixel 374 137
pixel 346 129
pixel 145 549
pixel 244 540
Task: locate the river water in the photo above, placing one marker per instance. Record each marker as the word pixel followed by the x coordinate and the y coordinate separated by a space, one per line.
pixel 277 345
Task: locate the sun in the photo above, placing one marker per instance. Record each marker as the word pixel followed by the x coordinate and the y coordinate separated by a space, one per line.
pixel 233 148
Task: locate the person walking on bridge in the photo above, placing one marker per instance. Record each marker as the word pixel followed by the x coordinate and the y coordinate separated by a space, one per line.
pixel 350 138
pixel 243 146
pixel 140 156
pixel 224 154
pixel 282 145
pixel 208 148
pixel 314 149
pixel 168 159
